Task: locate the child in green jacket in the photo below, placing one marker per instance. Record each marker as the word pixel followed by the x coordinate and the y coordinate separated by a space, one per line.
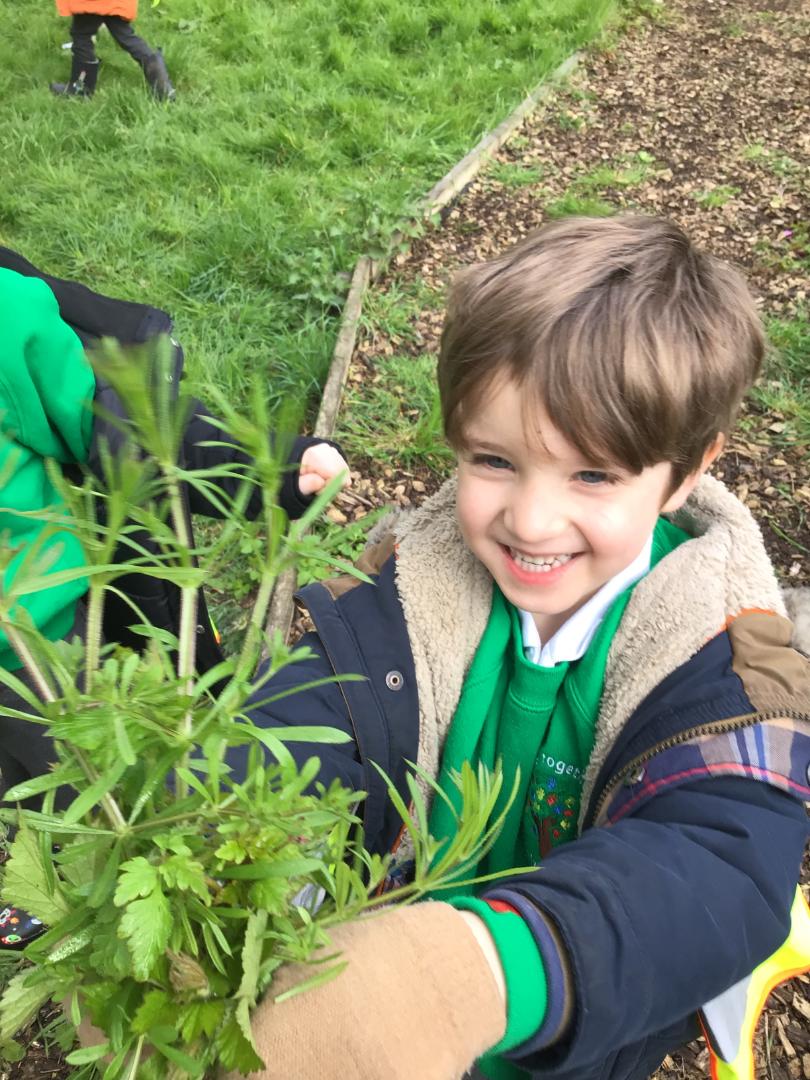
pixel 47 387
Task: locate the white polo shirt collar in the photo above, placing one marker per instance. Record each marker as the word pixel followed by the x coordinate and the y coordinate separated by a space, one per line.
pixel 576 633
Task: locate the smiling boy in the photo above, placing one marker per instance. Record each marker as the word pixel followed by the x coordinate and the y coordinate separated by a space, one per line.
pixel 585 607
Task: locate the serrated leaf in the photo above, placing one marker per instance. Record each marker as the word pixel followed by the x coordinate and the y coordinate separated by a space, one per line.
pixel 138 878
pixel 26 883
pixel 252 955
pixel 151 1012
pixel 146 925
pixel 21 1001
pixel 12 1052
pixel 236 1051
pixel 231 851
pixel 200 1018
pixel 186 874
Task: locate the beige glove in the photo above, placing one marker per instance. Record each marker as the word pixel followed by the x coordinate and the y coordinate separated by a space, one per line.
pixel 417 1001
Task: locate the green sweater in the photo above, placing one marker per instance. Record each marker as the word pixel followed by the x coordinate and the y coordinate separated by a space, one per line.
pixel 46 387
pixel 540 724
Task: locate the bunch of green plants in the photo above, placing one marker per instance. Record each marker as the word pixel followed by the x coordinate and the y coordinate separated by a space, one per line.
pixel 171 888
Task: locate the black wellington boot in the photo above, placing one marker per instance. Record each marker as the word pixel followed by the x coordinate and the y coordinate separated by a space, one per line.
pixel 157 75
pixel 83 79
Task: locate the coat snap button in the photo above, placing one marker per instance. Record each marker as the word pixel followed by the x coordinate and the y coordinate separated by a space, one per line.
pixel 394 680
pixel 635 777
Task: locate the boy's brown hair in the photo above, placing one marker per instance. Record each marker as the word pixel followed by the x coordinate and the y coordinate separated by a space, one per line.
pixel 638 346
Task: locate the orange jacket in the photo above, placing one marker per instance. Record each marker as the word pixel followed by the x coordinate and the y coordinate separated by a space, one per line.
pixel 127 9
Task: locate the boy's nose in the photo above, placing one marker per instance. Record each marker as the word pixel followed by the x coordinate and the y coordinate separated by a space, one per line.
pixel 534 518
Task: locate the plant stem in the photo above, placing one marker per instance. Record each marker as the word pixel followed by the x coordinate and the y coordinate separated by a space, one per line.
pixel 188 596
pixel 93 640
pixel 187 636
pixel 17 642
pixel 257 615
pixel 46 692
pixel 136 1059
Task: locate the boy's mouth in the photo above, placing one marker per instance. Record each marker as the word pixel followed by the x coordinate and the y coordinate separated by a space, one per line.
pixel 538 564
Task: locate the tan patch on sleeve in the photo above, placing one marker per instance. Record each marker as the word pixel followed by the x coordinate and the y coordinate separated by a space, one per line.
pixel 772 673
pixel 370 562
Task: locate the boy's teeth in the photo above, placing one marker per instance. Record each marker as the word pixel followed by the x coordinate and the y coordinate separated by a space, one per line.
pixel 540 564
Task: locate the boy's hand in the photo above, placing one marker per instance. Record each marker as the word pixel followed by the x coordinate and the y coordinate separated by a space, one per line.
pixel 417 999
pixel 319 464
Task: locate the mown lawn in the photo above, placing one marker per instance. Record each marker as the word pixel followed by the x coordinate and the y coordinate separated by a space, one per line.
pixel 302 130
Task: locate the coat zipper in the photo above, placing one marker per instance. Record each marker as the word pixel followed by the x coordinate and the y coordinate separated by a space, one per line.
pixel 712 728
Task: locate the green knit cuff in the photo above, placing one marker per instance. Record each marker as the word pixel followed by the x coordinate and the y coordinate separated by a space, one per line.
pixel 524 973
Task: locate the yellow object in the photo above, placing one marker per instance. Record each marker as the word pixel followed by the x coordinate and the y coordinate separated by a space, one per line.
pixel 730 1020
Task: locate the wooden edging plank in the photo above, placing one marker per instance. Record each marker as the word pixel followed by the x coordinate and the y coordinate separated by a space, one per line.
pixel 280 612
pixel 367 270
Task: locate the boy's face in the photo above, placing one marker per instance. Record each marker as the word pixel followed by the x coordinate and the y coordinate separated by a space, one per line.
pixel 550 526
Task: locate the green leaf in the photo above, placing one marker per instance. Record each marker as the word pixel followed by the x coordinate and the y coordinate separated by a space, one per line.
pixel 268 868
pixel 146 925
pixel 21 1001
pixel 26 882
pixel 311 734
pixel 138 878
pixel 51 823
pixel 70 945
pixel 243 1020
pixel 12 1052
pixel 322 977
pixel 252 955
pixel 125 749
pixel 105 882
pixel 235 1051
pixel 200 1018
pixel 88 1054
pixel 193 782
pixel 38 785
pixel 151 1012
pixel 185 874
pixel 94 793
pixel 188 1064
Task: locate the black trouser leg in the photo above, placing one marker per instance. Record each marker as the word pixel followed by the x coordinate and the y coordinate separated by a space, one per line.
pixel 82 29
pixel 26 748
pixel 126 37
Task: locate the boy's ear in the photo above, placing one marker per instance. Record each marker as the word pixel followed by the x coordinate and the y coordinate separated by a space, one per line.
pixel 678 497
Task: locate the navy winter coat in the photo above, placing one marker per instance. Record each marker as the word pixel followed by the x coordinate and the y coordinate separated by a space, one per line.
pixel 685 867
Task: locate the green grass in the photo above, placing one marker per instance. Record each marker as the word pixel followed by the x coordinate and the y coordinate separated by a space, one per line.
pixel 396 418
pixel 514 175
pixel 715 197
pixel 302 132
pixel 785 386
pixel 574 203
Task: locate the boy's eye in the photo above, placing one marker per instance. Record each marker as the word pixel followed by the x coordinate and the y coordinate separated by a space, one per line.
pixel 592 477
pixel 491 461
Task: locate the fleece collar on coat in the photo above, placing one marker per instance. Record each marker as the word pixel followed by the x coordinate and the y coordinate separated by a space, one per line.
pixel 680 605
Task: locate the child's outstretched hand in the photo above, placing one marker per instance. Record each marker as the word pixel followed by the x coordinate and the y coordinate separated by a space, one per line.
pixel 319 464
pixel 417 998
